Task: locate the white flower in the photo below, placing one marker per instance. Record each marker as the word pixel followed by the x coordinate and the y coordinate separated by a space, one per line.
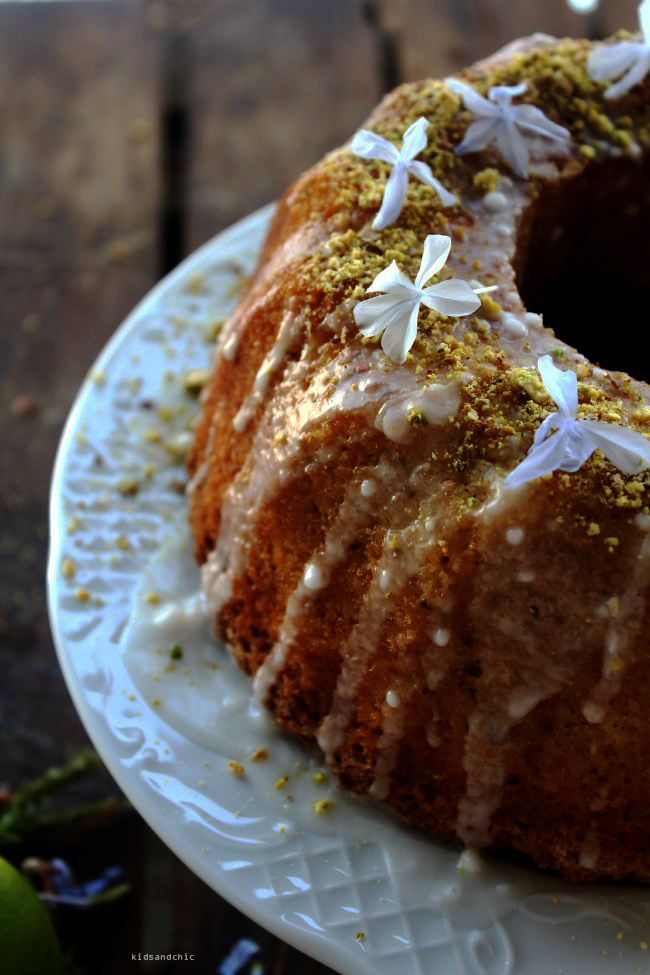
pixel 628 58
pixel 575 440
pixel 395 313
pixel 501 123
pixel 369 145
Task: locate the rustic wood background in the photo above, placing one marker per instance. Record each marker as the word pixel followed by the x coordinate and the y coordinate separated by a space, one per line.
pixel 131 132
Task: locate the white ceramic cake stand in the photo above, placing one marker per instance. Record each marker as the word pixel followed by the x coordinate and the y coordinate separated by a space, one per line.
pixel 355 891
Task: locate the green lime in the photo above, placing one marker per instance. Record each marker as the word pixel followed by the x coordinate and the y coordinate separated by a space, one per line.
pixel 28 943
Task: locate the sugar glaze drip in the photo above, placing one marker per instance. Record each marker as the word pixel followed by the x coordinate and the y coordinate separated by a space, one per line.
pixel 356 511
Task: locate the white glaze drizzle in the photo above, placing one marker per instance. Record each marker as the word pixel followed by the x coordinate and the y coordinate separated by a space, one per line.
pixel 225 348
pixel 259 478
pixel 511 685
pixel 355 513
pixel 514 325
pixel 590 851
pixel 392 699
pixel 364 637
pixel 436 402
pixel 263 294
pixel 624 621
pixel 403 554
pixel 290 328
pixel 265 287
pixel 441 637
pixel 314 576
pixel 495 201
pixel 515 536
pixel 363 387
pixel 392 732
pixel 201 471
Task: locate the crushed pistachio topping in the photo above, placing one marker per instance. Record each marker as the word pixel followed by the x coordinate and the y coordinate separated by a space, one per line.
pixel 369 145
pixel 491 308
pixel 417 419
pixel 496 121
pixel 323 806
pixel 503 404
pixel 236 768
pixel 128 487
pixel 260 755
pixel 487 180
pixel 394 314
pixel 563 442
pixel 68 568
pixel 194 381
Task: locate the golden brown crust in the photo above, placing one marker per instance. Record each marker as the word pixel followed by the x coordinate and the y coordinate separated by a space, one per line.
pixel 510 630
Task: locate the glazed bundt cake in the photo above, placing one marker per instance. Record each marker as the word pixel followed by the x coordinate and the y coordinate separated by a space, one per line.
pixel 423 517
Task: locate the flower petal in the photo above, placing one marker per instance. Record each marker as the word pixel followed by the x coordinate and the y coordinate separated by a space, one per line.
pixel 552 422
pixel 532 119
pixel 540 460
pixel 434 257
pixel 576 446
pixel 476 103
pixel 394 195
pixel 578 449
pixel 391 279
pixel 644 21
pixel 369 145
pixel 415 139
pixel 612 60
pixel 502 95
pixel 375 314
pixel 453 298
pixel 423 173
pixel 561 386
pixel 513 147
pixel 385 312
pixel 400 334
pixel 479 135
pixel 637 73
pixel 625 448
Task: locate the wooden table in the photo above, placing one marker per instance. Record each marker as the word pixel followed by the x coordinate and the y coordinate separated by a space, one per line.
pixel 130 132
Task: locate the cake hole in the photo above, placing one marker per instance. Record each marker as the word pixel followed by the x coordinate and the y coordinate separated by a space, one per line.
pixel 582 260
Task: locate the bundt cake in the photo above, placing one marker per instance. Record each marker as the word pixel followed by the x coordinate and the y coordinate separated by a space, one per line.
pixel 422 516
